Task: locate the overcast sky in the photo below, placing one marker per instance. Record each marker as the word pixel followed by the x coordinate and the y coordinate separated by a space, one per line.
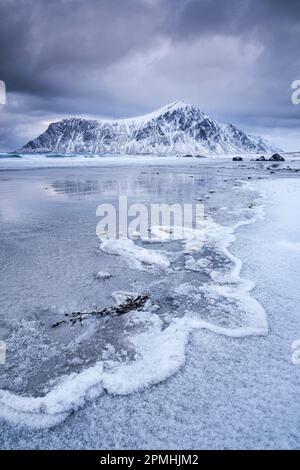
pixel 236 59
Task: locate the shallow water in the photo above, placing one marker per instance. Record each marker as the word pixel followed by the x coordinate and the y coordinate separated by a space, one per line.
pixel 48 234
pixel 50 257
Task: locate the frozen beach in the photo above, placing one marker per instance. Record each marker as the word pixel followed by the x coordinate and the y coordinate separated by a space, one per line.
pixel 206 363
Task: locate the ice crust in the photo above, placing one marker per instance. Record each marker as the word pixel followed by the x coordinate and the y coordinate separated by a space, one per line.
pixel 159 350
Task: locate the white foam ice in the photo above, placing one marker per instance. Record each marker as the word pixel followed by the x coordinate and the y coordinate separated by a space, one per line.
pixel 160 352
pixel 159 349
pixel 69 395
pixel 136 256
pixel 202 264
pixel 193 238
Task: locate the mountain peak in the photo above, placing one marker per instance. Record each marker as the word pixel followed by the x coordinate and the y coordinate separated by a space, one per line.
pixel 176 105
pixel 171 107
pixel 177 128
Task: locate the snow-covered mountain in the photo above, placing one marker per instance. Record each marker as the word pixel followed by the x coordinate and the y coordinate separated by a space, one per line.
pixel 176 128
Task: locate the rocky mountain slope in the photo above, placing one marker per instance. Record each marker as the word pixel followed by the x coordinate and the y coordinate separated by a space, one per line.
pixel 176 128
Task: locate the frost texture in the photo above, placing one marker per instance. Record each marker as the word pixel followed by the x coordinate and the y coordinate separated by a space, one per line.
pixel 159 349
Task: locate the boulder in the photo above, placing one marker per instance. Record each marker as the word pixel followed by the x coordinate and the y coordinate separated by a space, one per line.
pixel 276 158
pixel 237 159
pixel 261 159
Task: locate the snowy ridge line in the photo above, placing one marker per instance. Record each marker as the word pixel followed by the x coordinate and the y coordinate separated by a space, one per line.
pixel 160 352
pixel 177 128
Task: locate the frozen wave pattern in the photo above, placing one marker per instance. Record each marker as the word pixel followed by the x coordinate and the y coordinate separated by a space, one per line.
pixel 213 296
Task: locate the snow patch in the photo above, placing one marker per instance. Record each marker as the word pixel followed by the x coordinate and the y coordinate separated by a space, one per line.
pixel 293 246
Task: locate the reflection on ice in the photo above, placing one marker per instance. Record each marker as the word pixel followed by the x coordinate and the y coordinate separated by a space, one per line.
pixel 76 187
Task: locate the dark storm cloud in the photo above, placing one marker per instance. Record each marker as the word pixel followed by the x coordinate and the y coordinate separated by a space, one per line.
pixel 235 58
pixel 234 16
pixel 39 38
pixel 272 24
